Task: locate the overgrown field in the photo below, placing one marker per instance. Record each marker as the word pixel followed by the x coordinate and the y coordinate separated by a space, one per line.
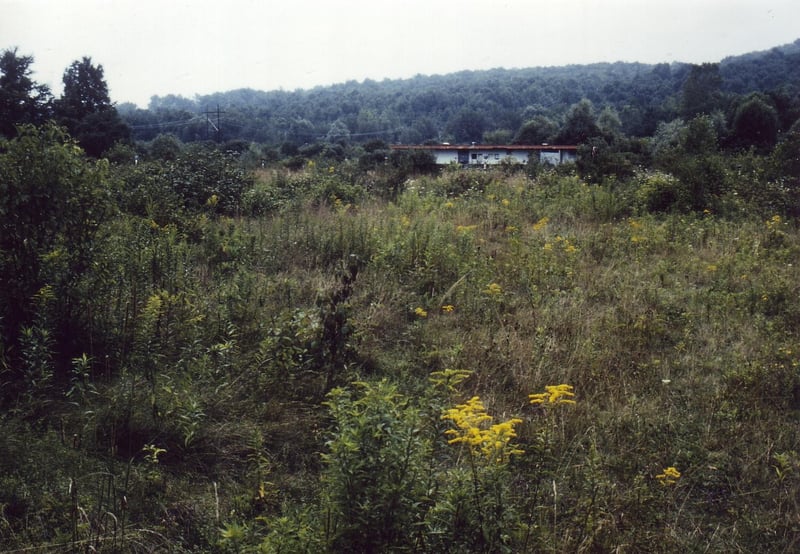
pixel 483 362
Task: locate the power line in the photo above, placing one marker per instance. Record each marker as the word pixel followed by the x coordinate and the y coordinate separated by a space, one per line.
pixel 217 127
pixel 177 123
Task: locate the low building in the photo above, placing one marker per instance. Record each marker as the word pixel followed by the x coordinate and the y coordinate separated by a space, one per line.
pixel 479 155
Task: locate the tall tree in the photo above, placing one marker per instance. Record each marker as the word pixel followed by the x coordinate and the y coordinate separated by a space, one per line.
pixel 537 130
pixel 21 99
pixel 755 123
pixel 580 124
pixel 467 126
pixel 701 90
pixel 85 108
pixel 85 90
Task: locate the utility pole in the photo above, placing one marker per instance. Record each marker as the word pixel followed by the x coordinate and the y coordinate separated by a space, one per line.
pixel 217 127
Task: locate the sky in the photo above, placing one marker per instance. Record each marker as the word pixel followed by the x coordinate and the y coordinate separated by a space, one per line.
pixel 190 47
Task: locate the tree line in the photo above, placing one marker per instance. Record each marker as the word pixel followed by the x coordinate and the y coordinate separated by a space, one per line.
pixel 497 105
pixel 84 108
pixel 754 100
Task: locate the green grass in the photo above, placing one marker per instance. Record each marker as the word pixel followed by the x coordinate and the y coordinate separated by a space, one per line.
pixel 678 332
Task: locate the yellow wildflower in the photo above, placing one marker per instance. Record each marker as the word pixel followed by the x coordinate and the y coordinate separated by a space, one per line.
pixel 447 308
pixel 555 394
pixel 493 289
pixel 541 224
pixel 420 312
pixel 492 443
pixel 505 202
pixel 669 476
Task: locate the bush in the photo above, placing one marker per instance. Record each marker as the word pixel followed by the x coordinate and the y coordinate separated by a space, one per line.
pixel 659 192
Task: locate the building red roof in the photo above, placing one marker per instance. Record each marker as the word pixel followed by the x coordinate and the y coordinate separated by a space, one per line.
pixel 485 147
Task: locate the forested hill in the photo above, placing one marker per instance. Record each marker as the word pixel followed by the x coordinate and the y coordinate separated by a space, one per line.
pixel 493 104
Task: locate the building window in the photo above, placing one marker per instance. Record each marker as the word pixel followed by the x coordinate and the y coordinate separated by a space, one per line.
pixel 474 156
pixel 497 156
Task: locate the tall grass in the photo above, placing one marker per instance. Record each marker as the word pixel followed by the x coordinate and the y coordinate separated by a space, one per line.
pixel 678 332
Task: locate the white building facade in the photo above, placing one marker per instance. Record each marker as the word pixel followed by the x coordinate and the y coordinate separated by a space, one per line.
pixel 486 155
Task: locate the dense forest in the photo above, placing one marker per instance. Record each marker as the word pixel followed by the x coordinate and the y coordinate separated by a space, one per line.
pixel 478 105
pixel 242 323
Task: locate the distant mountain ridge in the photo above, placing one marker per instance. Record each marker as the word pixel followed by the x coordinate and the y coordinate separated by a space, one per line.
pixel 461 106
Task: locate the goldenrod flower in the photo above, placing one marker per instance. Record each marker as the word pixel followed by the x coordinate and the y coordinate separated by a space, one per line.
pixel 541 224
pixel 493 289
pixel 420 312
pixel 492 443
pixel 447 308
pixel 555 394
pixel 669 476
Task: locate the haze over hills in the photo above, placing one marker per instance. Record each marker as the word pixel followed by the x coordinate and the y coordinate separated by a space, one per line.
pixel 466 105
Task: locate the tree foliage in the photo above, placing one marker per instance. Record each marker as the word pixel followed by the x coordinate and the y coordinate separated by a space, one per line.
pixel 52 202
pixel 755 123
pixel 21 99
pixel 701 90
pixel 86 110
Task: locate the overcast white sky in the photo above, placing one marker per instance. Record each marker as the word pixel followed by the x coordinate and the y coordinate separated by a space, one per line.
pixel 188 47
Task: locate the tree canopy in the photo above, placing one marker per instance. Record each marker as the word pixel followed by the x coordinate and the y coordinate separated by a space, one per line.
pixel 86 110
pixel 22 100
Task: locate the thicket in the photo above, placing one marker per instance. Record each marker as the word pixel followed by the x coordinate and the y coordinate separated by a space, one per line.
pixel 357 356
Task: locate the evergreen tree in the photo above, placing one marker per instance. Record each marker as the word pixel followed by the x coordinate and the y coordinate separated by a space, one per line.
pixel 86 110
pixel 21 99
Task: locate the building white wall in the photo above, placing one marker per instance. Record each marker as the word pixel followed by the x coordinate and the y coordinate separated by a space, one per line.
pixel 488 157
pixel 445 157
